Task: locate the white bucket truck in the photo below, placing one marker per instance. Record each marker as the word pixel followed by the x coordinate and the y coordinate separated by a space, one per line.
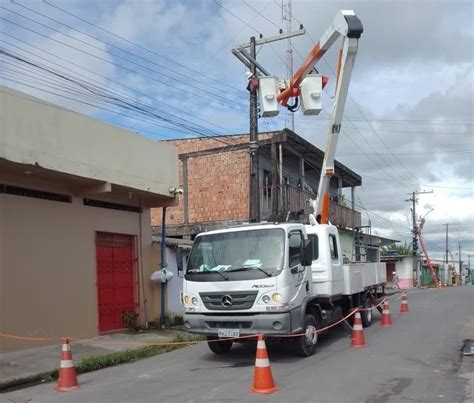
pixel 284 278
pixel 274 279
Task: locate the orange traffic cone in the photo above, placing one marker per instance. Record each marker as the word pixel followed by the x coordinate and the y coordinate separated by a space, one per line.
pixel 386 320
pixel 263 379
pixel 358 339
pixel 404 304
pixel 67 373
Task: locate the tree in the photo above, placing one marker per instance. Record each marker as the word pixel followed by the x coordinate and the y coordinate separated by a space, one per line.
pixel 401 250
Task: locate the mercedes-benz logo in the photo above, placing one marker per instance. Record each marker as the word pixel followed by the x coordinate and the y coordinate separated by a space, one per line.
pixel 226 301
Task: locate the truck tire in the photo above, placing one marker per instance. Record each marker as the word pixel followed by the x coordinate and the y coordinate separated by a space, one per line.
pixel 367 315
pixel 219 347
pixel 305 346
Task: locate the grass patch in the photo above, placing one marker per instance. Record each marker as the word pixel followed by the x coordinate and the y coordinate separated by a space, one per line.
pixel 95 363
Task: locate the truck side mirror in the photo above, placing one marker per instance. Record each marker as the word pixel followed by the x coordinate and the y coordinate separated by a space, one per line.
pixel 307 256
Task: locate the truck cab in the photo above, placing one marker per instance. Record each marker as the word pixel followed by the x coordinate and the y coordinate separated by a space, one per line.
pixel 247 280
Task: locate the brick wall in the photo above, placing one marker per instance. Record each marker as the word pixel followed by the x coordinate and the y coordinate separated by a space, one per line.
pixel 206 143
pixel 218 184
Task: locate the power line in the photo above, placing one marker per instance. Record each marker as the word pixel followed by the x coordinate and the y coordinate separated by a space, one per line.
pixel 367 155
pixel 248 25
pixel 118 57
pixel 116 47
pixel 119 66
pixel 127 105
pixel 169 106
pixel 212 78
pixel 260 14
pixel 78 101
pixel 414 184
pixel 414 153
pixel 235 15
pixel 142 105
pixel 401 131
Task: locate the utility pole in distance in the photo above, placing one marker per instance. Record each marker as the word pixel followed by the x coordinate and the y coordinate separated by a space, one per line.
pixel 447 251
pixel 446 259
pixel 248 58
pixel 414 201
pixel 460 264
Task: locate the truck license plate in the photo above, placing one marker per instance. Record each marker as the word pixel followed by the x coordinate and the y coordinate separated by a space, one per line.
pixel 228 332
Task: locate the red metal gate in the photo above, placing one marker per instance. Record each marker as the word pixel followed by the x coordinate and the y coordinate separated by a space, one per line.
pixel 115 278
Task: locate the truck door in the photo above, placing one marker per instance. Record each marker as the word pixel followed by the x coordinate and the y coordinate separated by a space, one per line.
pixel 299 285
pixel 336 274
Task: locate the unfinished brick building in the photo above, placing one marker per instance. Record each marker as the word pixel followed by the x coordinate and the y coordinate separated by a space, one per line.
pixel 214 175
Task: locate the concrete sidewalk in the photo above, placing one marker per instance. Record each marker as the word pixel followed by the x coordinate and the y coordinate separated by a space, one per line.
pixel 32 365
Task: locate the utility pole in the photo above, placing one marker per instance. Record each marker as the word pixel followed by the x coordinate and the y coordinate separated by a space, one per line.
pixel 447 251
pixel 446 260
pixel 287 16
pixel 249 59
pixel 460 264
pixel 416 266
pixel 254 207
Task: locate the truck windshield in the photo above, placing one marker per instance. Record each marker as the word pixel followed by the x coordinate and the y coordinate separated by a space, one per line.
pixel 237 255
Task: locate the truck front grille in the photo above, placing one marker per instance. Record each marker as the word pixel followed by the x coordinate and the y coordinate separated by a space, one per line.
pixel 232 301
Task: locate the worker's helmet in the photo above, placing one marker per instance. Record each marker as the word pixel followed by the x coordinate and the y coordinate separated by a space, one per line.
pixel 394 272
pixel 248 75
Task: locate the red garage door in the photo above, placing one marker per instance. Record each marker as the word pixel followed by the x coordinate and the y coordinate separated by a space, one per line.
pixel 115 274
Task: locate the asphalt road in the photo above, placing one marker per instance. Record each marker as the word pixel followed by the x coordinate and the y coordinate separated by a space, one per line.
pixel 416 360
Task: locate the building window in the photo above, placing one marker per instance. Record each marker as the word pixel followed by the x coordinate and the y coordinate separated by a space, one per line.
pixel 36 194
pixel 267 178
pixel 333 247
pixel 111 206
pixel 267 184
pixel 295 243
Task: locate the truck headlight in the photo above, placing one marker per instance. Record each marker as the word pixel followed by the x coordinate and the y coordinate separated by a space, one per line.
pixel 190 300
pixel 276 298
pixel 266 299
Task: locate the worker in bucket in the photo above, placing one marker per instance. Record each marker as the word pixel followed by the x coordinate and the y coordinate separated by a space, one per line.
pixel 395 280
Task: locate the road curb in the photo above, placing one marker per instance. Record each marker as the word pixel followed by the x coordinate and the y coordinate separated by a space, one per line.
pixel 28 380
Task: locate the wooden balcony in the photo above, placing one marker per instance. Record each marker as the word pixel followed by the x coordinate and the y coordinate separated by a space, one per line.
pixel 292 204
pixel 344 217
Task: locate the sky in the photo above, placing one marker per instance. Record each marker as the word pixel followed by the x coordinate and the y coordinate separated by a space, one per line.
pixel 164 69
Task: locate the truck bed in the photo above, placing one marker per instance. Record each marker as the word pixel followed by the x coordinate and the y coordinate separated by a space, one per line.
pixel 360 276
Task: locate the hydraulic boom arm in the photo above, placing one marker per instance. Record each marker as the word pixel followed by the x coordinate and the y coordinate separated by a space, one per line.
pixel 428 260
pixel 347 25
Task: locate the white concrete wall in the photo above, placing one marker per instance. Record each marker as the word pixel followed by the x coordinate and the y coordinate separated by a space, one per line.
pixel 404 269
pixel 175 285
pixel 37 133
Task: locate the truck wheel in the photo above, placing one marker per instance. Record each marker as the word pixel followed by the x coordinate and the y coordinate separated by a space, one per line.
pixel 367 315
pixel 219 347
pixel 305 346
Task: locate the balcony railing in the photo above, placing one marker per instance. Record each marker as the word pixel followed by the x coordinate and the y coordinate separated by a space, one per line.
pixel 344 217
pixel 292 203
